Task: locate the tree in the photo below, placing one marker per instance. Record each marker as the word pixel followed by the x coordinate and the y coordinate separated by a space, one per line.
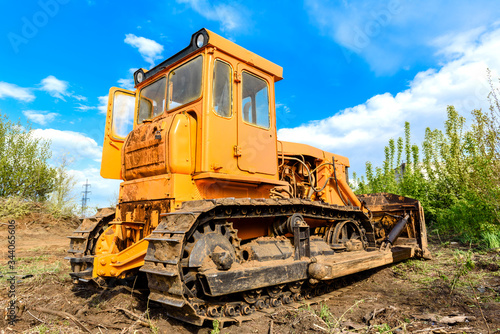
pixel 24 168
pixel 458 179
pixel 62 199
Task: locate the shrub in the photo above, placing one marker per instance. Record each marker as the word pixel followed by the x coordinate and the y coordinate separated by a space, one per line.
pixel 24 168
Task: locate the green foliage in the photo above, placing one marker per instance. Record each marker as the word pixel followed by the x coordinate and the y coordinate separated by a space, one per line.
pixel 215 325
pixel 15 207
pixel 464 264
pixel 458 178
pixel 24 171
pixel 384 328
pixel 325 315
pixel 62 200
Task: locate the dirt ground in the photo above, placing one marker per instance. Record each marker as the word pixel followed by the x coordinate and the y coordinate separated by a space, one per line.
pixel 456 292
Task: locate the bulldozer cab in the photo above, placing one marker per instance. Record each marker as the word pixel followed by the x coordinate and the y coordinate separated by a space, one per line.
pixel 222 92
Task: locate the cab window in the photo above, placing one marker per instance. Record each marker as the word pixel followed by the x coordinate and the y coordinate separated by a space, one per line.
pixel 152 100
pixel 255 100
pixel 221 99
pixel 184 83
pixel 122 120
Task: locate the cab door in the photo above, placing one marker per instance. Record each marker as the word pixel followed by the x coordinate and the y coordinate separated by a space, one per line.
pixel 256 149
pixel 119 123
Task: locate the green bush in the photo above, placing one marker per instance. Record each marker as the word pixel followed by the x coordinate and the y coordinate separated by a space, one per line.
pixel 62 201
pixel 24 168
pixel 28 182
pixel 457 180
pixel 15 207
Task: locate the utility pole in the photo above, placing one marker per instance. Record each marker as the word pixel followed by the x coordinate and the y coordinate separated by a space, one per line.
pixel 84 197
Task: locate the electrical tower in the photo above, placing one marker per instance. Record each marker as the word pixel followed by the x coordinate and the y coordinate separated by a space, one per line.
pixel 84 197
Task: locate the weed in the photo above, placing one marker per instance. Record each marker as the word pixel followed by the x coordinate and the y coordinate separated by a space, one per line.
pixel 384 328
pixel 37 266
pixel 41 329
pixel 337 323
pixel 305 307
pixel 491 239
pixel 415 270
pixel 154 328
pixel 215 325
pixel 464 263
pixel 325 315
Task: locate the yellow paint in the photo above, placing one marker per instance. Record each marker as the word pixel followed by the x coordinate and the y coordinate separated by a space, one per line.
pixel 246 56
pixel 181 144
pixel 111 150
pixel 191 153
pixel 115 264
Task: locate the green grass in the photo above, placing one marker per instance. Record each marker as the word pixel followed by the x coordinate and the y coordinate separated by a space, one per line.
pixel 417 271
pixel 51 328
pixel 454 270
pixel 384 328
pixel 38 266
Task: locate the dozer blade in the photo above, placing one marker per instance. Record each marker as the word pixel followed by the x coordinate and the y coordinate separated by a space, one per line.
pixel 386 206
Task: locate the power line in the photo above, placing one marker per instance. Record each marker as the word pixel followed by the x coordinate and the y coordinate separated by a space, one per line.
pixel 85 198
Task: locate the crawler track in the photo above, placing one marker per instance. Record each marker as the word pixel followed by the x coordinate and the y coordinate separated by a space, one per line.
pixel 184 289
pixel 83 241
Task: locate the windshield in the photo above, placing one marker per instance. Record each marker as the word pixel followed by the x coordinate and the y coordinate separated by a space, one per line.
pixel 255 102
pixel 184 83
pixel 152 100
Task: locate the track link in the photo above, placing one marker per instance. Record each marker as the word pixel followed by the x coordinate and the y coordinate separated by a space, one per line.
pixel 83 241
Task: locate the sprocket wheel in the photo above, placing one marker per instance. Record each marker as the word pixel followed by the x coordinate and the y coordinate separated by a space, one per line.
pixel 211 244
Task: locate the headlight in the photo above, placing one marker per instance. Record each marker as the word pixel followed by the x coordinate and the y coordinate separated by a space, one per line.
pixel 200 40
pixel 139 77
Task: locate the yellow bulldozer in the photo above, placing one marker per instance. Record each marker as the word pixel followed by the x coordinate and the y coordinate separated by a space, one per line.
pixel 220 217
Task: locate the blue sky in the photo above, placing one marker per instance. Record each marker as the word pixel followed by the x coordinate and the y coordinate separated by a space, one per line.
pixel 354 70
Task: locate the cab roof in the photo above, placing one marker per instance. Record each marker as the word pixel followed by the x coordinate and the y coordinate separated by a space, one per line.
pixel 212 39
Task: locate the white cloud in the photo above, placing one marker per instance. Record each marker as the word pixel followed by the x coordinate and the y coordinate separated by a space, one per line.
pixel 80 97
pixel 40 117
pixel 55 87
pixel 82 107
pixel 149 49
pixel 126 83
pixel 229 16
pixel 395 34
pixel 75 144
pixel 103 191
pixel 362 131
pixel 16 92
pixel 103 104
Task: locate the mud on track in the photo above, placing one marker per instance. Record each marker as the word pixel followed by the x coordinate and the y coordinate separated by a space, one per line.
pixel 444 295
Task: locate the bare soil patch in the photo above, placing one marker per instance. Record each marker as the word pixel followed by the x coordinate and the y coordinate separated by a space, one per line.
pixel 456 292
